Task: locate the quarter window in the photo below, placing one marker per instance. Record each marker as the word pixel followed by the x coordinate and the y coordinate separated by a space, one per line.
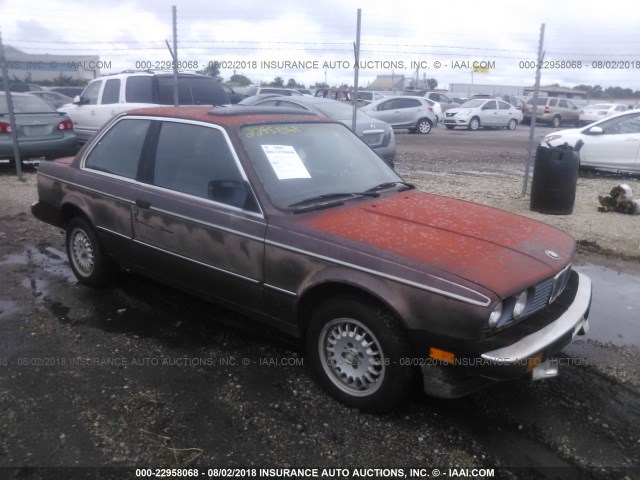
pixel 118 151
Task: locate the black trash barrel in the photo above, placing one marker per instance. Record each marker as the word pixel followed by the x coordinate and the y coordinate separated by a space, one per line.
pixel 555 175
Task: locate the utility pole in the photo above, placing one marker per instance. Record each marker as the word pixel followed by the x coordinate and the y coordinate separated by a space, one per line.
pixel 174 55
pixel 356 52
pixel 534 111
pixel 12 116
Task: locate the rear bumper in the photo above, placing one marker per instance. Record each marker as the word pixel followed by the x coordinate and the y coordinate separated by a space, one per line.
pixel 49 148
pixel 516 351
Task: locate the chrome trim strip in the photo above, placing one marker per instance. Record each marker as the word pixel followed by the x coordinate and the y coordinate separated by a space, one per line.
pixel 281 290
pixel 570 321
pixel 393 277
pixel 114 232
pixel 207 224
pixel 217 269
pixel 84 187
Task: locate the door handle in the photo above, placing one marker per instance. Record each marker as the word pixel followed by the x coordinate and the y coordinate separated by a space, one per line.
pixel 143 203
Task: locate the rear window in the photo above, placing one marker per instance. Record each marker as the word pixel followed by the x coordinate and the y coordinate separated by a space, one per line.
pixel 26 104
pixel 541 101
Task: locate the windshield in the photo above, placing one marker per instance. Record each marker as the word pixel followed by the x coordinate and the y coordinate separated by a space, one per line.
pixel 299 161
pixel 473 103
pixel 26 104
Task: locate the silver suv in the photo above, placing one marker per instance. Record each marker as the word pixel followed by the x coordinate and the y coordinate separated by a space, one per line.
pixel 108 96
pixel 413 113
pixel 552 110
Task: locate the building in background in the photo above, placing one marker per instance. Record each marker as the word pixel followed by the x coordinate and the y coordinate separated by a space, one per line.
pixel 28 67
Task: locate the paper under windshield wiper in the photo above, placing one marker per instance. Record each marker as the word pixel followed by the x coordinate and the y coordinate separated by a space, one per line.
pixel 382 186
pixel 327 196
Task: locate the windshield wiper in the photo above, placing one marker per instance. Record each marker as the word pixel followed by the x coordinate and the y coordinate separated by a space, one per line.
pixel 382 186
pixel 327 196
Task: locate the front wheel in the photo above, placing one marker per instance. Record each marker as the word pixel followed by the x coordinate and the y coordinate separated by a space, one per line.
pixel 556 121
pixel 474 124
pixel 90 263
pixel 512 124
pixel 356 349
pixel 423 126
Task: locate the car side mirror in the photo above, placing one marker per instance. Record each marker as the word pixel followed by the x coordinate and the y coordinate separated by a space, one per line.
pixel 77 100
pixel 596 130
pixel 232 192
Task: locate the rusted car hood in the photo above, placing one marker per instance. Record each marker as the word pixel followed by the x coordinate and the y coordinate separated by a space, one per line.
pixel 501 251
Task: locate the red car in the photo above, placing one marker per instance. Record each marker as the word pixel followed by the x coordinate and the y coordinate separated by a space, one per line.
pixel 290 218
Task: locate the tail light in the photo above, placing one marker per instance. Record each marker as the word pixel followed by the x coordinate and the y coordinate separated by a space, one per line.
pixel 547 110
pixel 65 125
pixel 5 127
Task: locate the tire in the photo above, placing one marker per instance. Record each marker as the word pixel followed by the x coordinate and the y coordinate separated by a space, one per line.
pixel 88 259
pixel 424 126
pixel 449 127
pixel 556 121
pixel 355 349
pixel 512 124
pixel 474 123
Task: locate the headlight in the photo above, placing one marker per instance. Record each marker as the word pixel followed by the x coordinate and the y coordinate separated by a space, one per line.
pixel 521 305
pixel 468 112
pixel 496 313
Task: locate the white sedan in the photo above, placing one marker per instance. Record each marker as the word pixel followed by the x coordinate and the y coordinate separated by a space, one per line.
pixel 598 111
pixel 483 113
pixel 610 144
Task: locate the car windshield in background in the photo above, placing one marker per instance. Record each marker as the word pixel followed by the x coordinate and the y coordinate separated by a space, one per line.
pixel 301 161
pixel 26 104
pixel 474 103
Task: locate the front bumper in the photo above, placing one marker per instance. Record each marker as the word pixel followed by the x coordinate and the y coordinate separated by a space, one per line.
pixel 514 352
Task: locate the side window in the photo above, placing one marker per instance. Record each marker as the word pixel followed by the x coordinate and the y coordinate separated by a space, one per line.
pixel 90 94
pixel 621 125
pixel 553 102
pixel 563 104
pixel 139 89
pixel 196 160
pixel 503 106
pixel 118 151
pixel 111 92
pixel 490 105
pixel 388 105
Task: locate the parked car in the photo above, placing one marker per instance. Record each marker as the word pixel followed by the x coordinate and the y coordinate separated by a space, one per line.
pixel 375 133
pixel 412 113
pixel 483 113
pixel 292 220
pixel 612 143
pixel 234 97
pixel 253 99
pixel 554 111
pixel 598 111
pixel 255 90
pixel 366 97
pixel 445 102
pixel 510 99
pixel 55 99
pixel 70 92
pixel 42 131
pixel 437 109
pixel 21 87
pixel 105 97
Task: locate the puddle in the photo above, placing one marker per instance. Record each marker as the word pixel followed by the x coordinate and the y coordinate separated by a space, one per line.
pixel 48 259
pixel 615 308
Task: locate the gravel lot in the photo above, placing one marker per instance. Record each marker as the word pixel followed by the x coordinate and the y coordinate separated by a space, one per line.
pixel 140 375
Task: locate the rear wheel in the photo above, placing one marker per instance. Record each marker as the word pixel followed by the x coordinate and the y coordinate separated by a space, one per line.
pixel 556 121
pixel 89 262
pixel 474 124
pixel 424 126
pixel 356 349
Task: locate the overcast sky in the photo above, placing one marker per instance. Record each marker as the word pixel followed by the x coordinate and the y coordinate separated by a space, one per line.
pixel 246 33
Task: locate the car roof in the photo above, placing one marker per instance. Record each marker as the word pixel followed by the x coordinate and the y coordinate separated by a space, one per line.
pixel 229 116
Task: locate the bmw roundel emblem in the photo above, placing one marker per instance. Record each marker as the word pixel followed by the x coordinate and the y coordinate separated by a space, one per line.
pixel 552 254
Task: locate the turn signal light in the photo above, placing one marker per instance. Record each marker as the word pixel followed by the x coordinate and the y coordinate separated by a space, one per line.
pixel 442 355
